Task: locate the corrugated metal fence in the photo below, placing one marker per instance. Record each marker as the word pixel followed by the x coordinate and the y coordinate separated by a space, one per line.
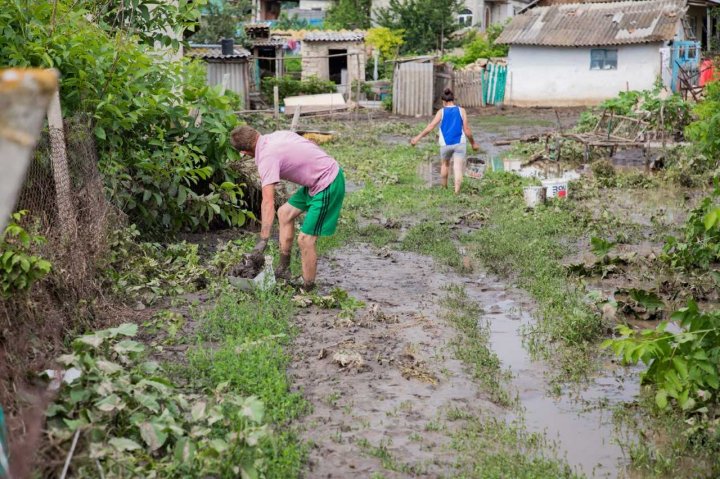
pixel 237 77
pixel 493 83
pixel 468 88
pixel 413 89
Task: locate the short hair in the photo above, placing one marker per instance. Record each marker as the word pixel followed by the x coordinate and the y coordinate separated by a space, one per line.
pixel 244 138
pixel 448 95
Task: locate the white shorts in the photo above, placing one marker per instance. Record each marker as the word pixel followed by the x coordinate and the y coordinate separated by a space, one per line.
pixel 458 151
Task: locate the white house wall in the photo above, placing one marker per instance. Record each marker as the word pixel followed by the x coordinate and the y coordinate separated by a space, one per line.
pixel 561 76
pixel 315 4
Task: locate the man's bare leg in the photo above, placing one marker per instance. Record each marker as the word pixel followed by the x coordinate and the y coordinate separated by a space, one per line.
pixel 286 218
pixel 309 258
pixel 444 172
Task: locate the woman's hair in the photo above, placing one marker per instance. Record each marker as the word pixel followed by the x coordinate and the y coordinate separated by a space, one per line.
pixel 448 95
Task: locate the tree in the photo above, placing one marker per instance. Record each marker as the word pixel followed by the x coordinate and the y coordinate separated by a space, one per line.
pixel 349 14
pixel 427 24
pixel 221 19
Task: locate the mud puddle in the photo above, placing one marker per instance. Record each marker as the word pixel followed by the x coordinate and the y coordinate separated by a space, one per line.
pixel 400 376
pixel 381 410
pixel 580 421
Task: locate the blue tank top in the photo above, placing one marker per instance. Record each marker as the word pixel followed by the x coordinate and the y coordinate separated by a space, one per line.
pixel 451 126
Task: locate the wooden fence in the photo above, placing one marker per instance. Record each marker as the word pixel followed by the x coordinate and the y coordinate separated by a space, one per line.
pixel 413 88
pixel 468 88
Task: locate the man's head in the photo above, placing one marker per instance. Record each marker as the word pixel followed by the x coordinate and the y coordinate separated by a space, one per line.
pixel 244 139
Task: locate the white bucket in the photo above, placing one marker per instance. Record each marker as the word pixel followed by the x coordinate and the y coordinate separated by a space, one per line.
pixel 512 165
pixel 556 187
pixel 534 195
pixel 475 167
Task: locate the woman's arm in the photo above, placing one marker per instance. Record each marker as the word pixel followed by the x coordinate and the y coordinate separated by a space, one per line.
pixel 431 126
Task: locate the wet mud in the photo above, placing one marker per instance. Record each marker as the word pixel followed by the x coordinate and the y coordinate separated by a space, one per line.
pixel 385 377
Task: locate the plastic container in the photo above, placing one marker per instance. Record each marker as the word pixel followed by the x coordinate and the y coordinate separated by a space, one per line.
pixel 265 279
pixel 475 167
pixel 510 164
pixel 556 187
pixel 534 195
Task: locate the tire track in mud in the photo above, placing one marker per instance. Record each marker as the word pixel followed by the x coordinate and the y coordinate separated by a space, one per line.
pixel 384 410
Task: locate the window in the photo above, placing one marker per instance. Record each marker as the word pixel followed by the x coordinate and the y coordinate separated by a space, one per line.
pixel 603 59
pixel 465 17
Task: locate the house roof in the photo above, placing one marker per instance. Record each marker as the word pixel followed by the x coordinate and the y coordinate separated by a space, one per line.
pixel 214 52
pixel 324 36
pixel 595 24
pixel 269 42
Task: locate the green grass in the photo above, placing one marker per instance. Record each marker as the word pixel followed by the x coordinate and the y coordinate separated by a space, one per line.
pixel 243 341
pixel 493 449
pixel 472 346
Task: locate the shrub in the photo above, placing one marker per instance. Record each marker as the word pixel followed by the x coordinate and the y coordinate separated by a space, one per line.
pixel 291 87
pixel 19 268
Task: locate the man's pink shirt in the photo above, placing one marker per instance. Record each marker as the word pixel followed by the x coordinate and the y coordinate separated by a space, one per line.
pixel 288 156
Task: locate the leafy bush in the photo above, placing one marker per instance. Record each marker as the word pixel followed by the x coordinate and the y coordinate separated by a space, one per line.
pixel 683 366
pixel 291 87
pixel 706 130
pixel 19 268
pixel 166 170
pixel 133 421
pixel 387 41
pixel 671 114
pixel 427 25
pixel 699 250
pixel 479 45
pixel 349 15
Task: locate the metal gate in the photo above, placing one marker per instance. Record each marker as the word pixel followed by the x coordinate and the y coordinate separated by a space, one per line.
pixel 493 83
pixel 413 88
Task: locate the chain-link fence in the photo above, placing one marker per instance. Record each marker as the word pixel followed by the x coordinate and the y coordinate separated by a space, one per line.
pixel 64 196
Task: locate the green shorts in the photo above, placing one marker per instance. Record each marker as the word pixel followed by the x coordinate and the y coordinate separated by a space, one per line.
pixel 323 209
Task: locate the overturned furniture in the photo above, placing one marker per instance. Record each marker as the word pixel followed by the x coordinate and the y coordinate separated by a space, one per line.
pixel 614 132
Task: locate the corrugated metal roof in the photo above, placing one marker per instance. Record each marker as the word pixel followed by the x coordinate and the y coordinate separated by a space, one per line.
pixel 596 24
pixel 214 52
pixel 268 42
pixel 320 36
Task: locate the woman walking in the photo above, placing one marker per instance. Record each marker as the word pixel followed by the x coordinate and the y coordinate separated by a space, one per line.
pixel 454 134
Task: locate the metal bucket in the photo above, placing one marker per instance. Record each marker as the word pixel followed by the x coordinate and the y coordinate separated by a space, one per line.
pixel 534 195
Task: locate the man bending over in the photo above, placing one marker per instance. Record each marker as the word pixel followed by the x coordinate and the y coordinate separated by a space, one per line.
pixel 285 155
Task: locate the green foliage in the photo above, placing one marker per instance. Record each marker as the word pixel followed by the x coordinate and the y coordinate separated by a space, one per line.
pixel 164 169
pixel 387 41
pixel 286 22
pixel 426 24
pixel 242 341
pixel 151 21
pixel 221 19
pixel 349 15
pixel 288 86
pixel 133 420
pixel 706 130
pixel 19 267
pixel 699 250
pixel 149 271
pixel 480 45
pixel 683 366
pixel 671 114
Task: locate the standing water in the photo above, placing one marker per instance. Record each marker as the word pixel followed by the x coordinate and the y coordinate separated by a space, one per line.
pixel 581 426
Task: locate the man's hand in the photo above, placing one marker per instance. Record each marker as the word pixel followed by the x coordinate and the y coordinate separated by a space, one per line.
pixel 256 255
pixel 475 146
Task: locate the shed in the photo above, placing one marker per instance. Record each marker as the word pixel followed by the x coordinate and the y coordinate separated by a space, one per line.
pixel 235 65
pixel 573 54
pixel 336 56
pixel 267 52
